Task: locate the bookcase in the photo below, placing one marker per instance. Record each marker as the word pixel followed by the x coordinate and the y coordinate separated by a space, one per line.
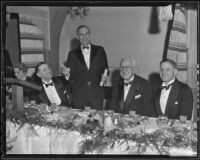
pixel 31 43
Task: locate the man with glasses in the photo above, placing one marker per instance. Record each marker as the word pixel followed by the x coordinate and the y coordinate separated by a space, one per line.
pixel 132 92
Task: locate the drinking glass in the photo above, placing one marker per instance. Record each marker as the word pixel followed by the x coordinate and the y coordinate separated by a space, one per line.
pixel 132 113
pixel 87 108
pixel 183 118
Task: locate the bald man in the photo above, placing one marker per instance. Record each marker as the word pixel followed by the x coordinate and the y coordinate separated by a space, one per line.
pixel 132 92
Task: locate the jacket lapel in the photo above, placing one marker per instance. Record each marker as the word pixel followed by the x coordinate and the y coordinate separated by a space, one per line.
pixel 135 86
pixel 43 96
pixel 79 55
pixel 172 98
pixel 59 91
pixel 121 95
pixel 93 53
pixel 157 102
pixel 57 88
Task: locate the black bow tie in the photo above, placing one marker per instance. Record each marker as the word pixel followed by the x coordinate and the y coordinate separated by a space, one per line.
pixel 49 84
pixel 166 87
pixel 127 83
pixel 85 47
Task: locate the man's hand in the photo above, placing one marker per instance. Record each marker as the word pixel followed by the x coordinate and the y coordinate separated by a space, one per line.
pixel 65 71
pixel 104 77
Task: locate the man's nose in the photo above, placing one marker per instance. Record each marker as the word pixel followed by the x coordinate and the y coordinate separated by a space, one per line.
pixel 164 72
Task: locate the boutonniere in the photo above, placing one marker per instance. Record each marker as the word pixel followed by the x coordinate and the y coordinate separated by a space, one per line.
pixel 176 103
pixel 138 96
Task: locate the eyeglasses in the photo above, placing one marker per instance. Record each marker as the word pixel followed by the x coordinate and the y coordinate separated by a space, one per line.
pixel 126 67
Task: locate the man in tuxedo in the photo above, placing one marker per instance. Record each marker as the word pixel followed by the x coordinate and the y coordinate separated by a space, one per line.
pixel 132 92
pixel 85 67
pixel 54 89
pixel 172 98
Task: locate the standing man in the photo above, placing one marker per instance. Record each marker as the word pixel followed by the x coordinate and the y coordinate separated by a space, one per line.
pixel 85 68
pixel 173 98
pixel 132 93
pixel 54 89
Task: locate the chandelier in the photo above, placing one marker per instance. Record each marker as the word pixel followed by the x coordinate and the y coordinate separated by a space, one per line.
pixel 79 11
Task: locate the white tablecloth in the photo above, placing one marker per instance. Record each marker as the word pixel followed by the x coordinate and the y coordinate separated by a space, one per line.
pixel 34 139
pixel 43 140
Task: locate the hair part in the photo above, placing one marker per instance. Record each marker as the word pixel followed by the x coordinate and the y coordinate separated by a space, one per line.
pixel 82 26
pixel 170 62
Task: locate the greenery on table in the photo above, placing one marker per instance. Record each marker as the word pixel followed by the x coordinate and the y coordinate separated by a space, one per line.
pixel 96 140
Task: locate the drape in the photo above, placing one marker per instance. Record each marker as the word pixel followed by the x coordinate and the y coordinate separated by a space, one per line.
pixel 177 48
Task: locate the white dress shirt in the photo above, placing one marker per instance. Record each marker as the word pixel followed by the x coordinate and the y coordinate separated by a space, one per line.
pixel 126 88
pixel 52 93
pixel 86 55
pixel 164 96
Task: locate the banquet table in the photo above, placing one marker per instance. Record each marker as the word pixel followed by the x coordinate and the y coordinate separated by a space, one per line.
pixel 39 130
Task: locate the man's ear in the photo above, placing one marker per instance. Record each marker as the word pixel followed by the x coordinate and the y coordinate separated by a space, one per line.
pixel 38 75
pixel 78 37
pixel 175 71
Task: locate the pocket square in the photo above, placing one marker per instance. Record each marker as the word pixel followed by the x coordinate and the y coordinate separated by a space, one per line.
pixel 176 102
pixel 137 96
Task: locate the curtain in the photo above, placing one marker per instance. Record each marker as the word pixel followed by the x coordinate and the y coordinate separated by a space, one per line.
pixel 192 56
pixel 177 49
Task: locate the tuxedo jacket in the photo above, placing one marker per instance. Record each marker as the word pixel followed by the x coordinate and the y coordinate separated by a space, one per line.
pixel 62 87
pixel 86 89
pixel 138 98
pixel 180 101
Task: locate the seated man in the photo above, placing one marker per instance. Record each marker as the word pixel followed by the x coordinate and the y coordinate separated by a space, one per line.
pixel 20 71
pixel 131 92
pixel 172 98
pixel 54 89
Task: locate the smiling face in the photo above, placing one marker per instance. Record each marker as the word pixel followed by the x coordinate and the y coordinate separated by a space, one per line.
pixel 84 36
pixel 126 69
pixel 167 72
pixel 44 72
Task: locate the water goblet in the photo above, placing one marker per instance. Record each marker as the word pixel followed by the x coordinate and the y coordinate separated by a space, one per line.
pixel 87 108
pixel 183 118
pixel 132 113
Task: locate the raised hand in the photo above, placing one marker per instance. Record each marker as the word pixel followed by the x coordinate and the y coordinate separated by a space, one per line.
pixel 65 70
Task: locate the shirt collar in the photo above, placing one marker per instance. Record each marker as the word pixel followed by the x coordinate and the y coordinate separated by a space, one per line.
pixel 46 82
pixel 164 84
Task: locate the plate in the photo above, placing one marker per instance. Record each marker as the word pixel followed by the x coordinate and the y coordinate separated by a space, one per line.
pixel 83 114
